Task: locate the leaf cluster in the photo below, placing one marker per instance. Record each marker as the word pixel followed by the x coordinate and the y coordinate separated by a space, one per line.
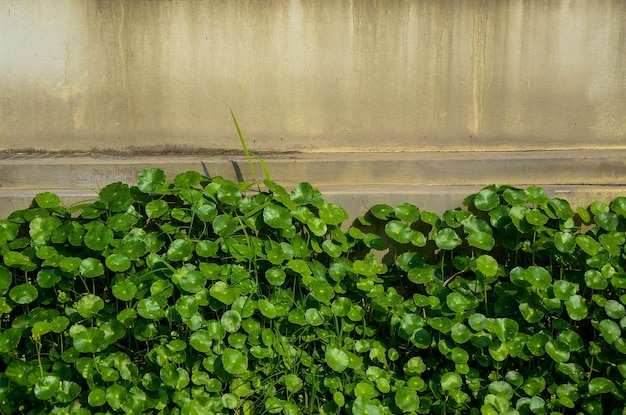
pixel 200 295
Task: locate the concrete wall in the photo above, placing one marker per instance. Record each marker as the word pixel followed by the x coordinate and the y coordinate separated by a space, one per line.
pixel 313 75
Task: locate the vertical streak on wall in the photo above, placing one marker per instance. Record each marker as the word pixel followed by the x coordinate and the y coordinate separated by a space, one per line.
pixel 479 40
pixel 122 44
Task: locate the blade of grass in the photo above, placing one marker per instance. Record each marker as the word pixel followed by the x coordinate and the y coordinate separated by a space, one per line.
pixel 245 150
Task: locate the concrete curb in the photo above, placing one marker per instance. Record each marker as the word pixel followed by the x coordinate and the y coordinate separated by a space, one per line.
pixel 433 181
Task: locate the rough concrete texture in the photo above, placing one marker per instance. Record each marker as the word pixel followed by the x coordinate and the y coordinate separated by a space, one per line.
pixel 433 181
pixel 372 102
pixel 313 75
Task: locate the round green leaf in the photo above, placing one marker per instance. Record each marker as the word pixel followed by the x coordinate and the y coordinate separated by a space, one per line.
pixel 365 390
pixel 201 340
pixel 600 385
pixel 124 290
pixel 116 196
pixel 59 324
pixel 228 193
pixel 333 214
pixel 222 292
pixel 460 333
pixel 68 392
pixel 207 248
pixel 267 308
pixel 277 217
pixel 538 277
pixel 607 221
pixel 382 211
pixel 487 265
pixel 91 267
pixel 48 277
pixel 595 280
pixel 322 291
pixel 588 244
pixel 535 217
pixel 499 351
pixel 407 400
pixel 230 400
pixel 459 355
pixel 98 237
pixel 304 194
pixel 117 262
pixel 292 383
pixel 313 317
pixel 614 309
pixel 564 242
pixel 149 180
pixel 398 231
pixel 47 200
pixel 514 197
pixel 563 289
pixel 88 340
pixel 40 328
pixel 501 388
pixel 23 293
pixel 504 328
pixel 151 308
pixel 42 228
pixel 121 222
pixel 18 260
pixel 180 250
pixel 275 276
pixel 561 207
pixel 156 208
pixel 557 350
pixel 187 306
pixel 188 179
pixel 336 359
pixel 363 406
pixel 576 307
pixel 5 280
pixel 421 339
pixel 610 331
pixel 407 212
pixel 234 361
pixel 207 212
pixel 317 226
pixel 447 239
pixel 193 281
pixel 536 195
pixel 224 225
pixel 231 321
pixel 97 397
pixel 486 200
pixel 46 387
pixel 89 305
pixel 333 250
pixel 451 380
pixel 9 339
pixel 481 240
pixel 458 302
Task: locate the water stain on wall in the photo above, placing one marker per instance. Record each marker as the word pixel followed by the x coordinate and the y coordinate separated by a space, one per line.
pixel 313 75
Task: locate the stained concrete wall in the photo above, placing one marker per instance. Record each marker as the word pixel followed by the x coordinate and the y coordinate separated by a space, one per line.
pixel 313 75
pixel 114 80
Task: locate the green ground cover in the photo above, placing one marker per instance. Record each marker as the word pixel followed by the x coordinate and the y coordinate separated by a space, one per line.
pixel 204 296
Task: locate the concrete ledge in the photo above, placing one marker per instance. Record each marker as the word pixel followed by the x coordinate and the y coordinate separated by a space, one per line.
pixel 433 181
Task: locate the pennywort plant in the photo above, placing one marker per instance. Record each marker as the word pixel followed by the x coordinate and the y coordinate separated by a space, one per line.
pixel 204 296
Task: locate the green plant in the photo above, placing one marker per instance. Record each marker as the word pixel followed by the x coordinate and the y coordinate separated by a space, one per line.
pixel 198 295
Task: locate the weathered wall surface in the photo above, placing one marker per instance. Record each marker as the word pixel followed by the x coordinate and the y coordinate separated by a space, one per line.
pixel 312 75
pixel 471 92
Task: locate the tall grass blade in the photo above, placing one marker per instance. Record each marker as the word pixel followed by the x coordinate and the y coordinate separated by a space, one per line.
pixel 246 152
